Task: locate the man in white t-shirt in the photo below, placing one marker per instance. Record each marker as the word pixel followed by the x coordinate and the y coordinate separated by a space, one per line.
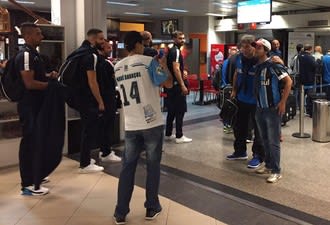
pixel 139 78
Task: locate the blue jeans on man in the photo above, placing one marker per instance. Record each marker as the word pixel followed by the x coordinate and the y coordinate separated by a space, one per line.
pixel 150 140
pixel 269 126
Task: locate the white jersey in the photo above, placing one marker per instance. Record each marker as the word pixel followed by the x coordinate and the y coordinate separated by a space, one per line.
pixel 138 78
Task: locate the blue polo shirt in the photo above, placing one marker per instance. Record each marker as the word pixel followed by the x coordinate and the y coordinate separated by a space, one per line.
pixel 326 68
pixel 245 79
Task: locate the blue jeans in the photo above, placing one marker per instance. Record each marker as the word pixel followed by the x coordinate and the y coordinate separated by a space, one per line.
pixel 269 126
pixel 135 142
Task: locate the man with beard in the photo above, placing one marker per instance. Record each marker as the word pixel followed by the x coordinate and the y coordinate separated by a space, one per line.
pixel 176 97
pixel 92 104
pixel 107 83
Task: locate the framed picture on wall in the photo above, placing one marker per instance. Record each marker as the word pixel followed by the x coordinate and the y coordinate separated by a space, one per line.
pixel 169 26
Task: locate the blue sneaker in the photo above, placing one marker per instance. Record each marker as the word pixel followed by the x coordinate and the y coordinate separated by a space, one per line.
pixel 237 157
pixel 254 163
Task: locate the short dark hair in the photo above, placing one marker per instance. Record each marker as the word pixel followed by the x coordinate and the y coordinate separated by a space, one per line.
pixel 248 39
pixel 176 34
pixel 26 28
pixel 93 32
pixel 308 47
pixel 299 47
pixel 131 39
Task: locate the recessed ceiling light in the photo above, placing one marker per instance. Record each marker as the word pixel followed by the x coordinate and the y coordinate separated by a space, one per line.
pixel 215 14
pixel 137 14
pixel 122 3
pixel 224 5
pixel 175 10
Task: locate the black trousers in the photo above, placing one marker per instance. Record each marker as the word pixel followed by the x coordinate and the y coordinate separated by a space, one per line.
pixel 178 116
pixel 245 113
pixel 176 104
pixel 29 160
pixel 107 130
pixel 90 118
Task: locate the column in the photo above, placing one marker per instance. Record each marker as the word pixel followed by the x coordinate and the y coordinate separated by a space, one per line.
pixel 78 16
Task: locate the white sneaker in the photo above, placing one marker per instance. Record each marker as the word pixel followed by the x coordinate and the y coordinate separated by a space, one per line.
pixel 110 158
pixel 45 180
pixel 170 138
pixel 31 191
pixel 93 161
pixel 274 177
pixel 264 170
pixel 183 139
pixel 91 168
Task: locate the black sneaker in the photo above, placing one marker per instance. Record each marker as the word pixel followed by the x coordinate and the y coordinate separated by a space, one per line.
pixel 151 214
pixel 119 220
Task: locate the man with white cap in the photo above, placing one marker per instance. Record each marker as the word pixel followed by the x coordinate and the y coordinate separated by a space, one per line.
pixel 271 102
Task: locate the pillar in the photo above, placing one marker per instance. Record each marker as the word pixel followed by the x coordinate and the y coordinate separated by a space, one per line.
pixel 78 16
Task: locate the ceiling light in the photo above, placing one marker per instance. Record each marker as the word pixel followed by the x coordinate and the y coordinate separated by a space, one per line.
pixel 215 14
pixel 224 5
pixel 175 10
pixel 26 2
pixel 137 14
pixel 21 2
pixel 277 4
pixel 122 3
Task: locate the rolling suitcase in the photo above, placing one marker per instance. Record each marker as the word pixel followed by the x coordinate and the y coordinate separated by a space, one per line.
pixel 290 109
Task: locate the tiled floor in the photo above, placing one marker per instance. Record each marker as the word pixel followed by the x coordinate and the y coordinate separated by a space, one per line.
pixel 90 199
pixel 305 183
pixel 79 199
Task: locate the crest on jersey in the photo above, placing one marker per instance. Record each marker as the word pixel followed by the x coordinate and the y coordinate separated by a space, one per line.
pixel 159 70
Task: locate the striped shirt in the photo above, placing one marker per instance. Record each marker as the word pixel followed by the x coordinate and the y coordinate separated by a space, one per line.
pixel 267 84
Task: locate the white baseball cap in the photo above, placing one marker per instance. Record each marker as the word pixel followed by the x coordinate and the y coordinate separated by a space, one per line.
pixel 262 42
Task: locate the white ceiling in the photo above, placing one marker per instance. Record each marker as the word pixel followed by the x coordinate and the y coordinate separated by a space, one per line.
pixel 194 7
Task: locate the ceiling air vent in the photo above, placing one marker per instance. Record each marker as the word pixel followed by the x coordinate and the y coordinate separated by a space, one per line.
pixel 318 23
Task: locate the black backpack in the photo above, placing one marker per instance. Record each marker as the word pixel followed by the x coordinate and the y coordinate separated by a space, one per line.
pixel 12 86
pixel 70 72
pixel 229 111
pixel 70 76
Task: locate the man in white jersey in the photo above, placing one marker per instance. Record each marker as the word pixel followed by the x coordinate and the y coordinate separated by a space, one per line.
pixel 139 78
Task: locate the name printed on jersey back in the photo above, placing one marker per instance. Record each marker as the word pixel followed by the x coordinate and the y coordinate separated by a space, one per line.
pixel 128 76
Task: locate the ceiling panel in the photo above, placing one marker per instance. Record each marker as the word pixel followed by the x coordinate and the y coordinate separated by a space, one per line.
pixel 194 7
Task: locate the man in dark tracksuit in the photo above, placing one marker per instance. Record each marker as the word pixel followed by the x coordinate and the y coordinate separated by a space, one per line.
pixel 106 80
pixel 176 97
pixel 91 102
pixel 307 70
pixel 32 70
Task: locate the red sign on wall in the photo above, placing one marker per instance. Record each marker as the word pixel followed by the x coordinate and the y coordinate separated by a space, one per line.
pixel 217 56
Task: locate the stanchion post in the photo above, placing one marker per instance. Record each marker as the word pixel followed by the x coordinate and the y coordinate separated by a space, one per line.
pixel 301 133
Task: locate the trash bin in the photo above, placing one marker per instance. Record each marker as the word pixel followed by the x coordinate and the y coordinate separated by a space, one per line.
pixel 321 121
